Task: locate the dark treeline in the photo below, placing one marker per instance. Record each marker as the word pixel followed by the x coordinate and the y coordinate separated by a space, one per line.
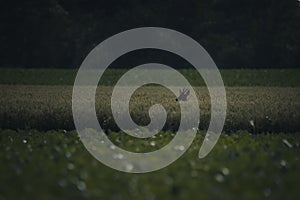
pixel 236 33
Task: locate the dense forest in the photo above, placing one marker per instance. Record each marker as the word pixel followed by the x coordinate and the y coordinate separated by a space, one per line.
pixel 236 33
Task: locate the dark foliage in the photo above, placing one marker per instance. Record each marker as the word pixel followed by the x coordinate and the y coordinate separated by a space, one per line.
pixel 237 33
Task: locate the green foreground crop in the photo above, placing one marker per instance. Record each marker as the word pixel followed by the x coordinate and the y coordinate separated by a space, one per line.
pixel 55 165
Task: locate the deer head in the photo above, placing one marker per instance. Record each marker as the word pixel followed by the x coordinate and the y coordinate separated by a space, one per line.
pixel 183 94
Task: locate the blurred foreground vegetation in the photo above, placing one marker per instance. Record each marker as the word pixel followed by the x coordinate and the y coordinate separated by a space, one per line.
pixel 55 165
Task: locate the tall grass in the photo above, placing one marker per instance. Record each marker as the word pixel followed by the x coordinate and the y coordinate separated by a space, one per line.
pixel 257 109
pixel 239 77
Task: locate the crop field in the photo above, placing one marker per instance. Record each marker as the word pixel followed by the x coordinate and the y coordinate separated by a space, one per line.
pixel 55 165
pixel 257 156
pixel 49 107
pixel 232 77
